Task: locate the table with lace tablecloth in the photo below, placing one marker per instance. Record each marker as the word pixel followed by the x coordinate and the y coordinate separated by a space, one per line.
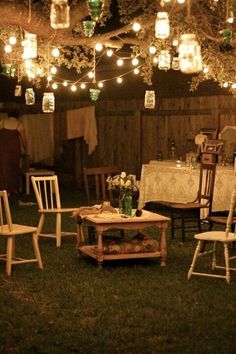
pixel 164 181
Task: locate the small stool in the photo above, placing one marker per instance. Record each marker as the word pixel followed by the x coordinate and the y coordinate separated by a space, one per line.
pixel 30 173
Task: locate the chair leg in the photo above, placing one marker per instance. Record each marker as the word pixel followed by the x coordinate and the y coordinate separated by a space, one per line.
pixel 9 254
pixel 37 251
pixel 183 226
pixel 196 254
pixel 40 224
pixel 213 266
pixel 58 230
pixel 172 225
pixel 226 254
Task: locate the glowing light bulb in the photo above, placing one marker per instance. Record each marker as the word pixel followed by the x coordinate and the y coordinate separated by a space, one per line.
pixel 55 52
pixel 53 70
pixel 73 88
pixel 119 80
pixel 90 74
pixel 83 86
pixel 12 40
pixel 175 42
pixel 136 71
pixel 8 48
pixel 54 86
pixel 65 83
pixel 28 64
pixel 205 70
pixel 99 47
pixel 183 1
pixel 135 61
pixel 225 84
pixel 152 49
pixel 49 78
pixel 233 86
pixel 109 52
pixel 155 60
pixel 39 71
pixel 136 26
pixel 100 84
pixel 120 62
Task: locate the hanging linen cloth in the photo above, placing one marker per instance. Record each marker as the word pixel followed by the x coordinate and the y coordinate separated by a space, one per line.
pixel 81 122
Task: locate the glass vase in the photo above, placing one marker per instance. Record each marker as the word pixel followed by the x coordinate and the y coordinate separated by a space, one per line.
pixel 125 204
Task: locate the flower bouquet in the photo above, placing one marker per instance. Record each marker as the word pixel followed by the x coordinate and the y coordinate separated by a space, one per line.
pixel 126 185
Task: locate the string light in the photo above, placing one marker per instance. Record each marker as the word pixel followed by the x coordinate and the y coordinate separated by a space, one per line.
pixel 152 49
pixel 98 47
pixel 119 80
pixel 183 1
pixel 73 88
pixel 54 86
pixel 65 84
pixel 135 61
pixel 120 62
pixel 8 48
pixel 55 52
pixel 225 84
pixel 109 52
pixel 90 74
pixel 136 71
pixel 53 70
pixel 136 26
pixel 100 84
pixel 12 40
pixel 83 86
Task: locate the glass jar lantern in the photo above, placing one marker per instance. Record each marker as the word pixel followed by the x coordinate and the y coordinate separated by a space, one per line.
pixel 89 27
pixel 29 96
pixel 48 103
pixel 149 101
pixel 59 15
pixel 95 7
pixel 162 25
pixel 190 58
pixel 164 60
pixel 175 63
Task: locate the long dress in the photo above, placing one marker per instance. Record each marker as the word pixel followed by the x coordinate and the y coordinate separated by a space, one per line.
pixel 10 153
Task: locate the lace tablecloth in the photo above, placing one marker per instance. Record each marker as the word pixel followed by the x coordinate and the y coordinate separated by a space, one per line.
pixel 163 181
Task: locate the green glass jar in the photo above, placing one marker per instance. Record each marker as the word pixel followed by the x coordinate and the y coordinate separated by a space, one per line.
pixel 125 204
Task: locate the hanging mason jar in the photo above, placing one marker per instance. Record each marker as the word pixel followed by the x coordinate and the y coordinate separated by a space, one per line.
pixel 190 58
pixel 29 96
pixel 175 63
pixel 94 94
pixel 149 101
pixel 30 46
pixel 162 25
pixel 48 103
pixel 164 60
pixel 95 7
pixel 59 15
pixel 88 27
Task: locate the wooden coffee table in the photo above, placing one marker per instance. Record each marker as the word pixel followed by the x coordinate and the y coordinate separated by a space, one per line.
pixel 105 221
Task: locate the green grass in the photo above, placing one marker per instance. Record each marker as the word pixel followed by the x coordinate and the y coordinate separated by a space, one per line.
pixel 129 307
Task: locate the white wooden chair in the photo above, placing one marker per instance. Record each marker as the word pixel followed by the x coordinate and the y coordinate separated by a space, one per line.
pixel 47 194
pixel 224 238
pixel 11 231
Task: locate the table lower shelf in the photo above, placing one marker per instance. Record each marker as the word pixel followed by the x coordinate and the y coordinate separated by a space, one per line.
pixel 91 251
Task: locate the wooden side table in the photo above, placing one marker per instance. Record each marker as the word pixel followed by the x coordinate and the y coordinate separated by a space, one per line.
pixel 30 173
pixel 104 221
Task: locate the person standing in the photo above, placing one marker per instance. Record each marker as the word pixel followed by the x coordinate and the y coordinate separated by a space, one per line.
pixel 12 146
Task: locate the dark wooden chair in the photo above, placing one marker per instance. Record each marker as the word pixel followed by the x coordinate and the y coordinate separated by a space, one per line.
pixel 219 218
pixel 97 191
pixel 96 186
pixel 187 216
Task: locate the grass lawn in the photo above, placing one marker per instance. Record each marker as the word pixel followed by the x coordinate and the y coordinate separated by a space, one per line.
pixel 130 307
